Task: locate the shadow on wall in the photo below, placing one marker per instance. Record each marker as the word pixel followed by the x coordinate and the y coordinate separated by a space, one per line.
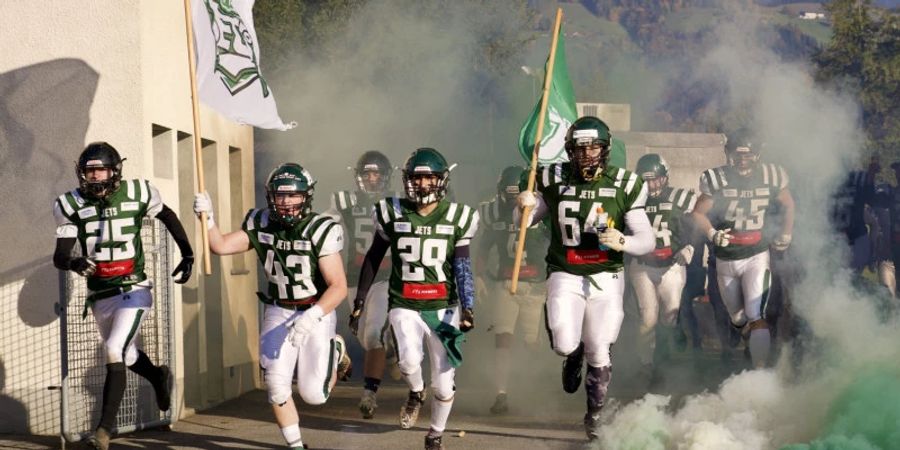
pixel 44 116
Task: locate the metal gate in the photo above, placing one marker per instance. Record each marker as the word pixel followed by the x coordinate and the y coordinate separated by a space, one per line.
pixel 83 360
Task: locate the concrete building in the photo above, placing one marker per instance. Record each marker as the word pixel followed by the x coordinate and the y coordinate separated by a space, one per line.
pixel 77 72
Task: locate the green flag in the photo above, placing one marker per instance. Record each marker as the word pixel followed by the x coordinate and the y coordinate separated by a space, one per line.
pixel 561 112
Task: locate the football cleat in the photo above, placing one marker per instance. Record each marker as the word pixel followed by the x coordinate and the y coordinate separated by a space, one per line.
pixel 345 365
pixel 571 370
pixel 367 404
pixel 99 440
pixel 500 405
pixel 592 425
pixel 433 442
pixel 409 412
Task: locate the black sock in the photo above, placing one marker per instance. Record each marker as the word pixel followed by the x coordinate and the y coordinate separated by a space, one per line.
pixel 144 367
pixel 372 384
pixel 113 391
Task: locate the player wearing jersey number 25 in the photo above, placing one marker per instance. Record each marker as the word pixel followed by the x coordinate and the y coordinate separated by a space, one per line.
pixel 301 255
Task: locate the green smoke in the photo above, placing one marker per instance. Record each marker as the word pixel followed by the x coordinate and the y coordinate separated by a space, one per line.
pixel 866 416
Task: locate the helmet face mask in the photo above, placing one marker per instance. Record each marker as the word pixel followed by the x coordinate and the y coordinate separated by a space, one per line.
pixel 587 146
pixel 96 156
pixel 509 183
pixel 426 177
pixel 373 172
pixel 289 193
pixel 654 170
pixel 742 152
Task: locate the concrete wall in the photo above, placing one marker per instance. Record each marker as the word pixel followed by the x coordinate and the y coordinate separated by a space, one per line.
pixel 76 72
pixel 688 154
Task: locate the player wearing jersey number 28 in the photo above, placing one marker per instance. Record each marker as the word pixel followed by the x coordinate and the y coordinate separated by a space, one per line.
pixel 732 210
pixel 589 203
pixel 104 216
pixel 431 277
pixel 301 254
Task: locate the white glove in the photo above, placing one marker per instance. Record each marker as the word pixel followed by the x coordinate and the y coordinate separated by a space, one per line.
pixel 781 243
pixel 526 199
pixel 720 238
pixel 613 239
pixel 202 204
pixel 305 325
pixel 684 256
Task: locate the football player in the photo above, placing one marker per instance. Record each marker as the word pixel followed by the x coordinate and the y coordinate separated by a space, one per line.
pixel 301 254
pixel 589 203
pixel 734 204
pixel 104 216
pixel 353 209
pixel 431 291
pixel 853 197
pixel 659 277
pixel 524 308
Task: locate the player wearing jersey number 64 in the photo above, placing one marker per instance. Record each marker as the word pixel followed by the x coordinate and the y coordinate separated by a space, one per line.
pixel 589 203
pixel 301 254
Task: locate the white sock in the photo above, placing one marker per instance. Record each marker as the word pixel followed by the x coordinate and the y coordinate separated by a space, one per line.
pixel 440 411
pixel 502 360
pixel 291 435
pixel 760 341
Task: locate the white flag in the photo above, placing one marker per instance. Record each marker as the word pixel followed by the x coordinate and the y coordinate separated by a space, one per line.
pixel 228 69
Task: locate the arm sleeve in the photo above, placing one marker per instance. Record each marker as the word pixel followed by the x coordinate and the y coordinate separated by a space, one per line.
pixel 642 238
pixel 176 229
pixel 465 279
pixel 370 266
pixel 62 256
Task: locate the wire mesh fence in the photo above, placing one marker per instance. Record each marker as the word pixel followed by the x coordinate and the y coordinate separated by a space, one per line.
pixel 83 360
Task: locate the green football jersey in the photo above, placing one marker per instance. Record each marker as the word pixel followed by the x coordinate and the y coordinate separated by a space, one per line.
pixel 579 210
pixel 290 255
pixel 109 231
pixel 422 249
pixel 501 232
pixel 666 213
pixel 742 203
pixel 355 210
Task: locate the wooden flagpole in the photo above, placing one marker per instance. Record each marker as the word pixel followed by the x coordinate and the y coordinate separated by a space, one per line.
pixel 548 79
pixel 198 155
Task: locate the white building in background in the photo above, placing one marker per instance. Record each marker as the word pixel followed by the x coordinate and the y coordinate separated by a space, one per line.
pixel 77 72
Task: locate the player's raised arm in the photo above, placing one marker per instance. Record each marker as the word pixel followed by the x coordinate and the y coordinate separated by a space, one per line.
pixel 220 244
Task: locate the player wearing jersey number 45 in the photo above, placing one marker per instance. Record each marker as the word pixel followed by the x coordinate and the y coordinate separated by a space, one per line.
pixel 353 209
pixel 431 278
pixel 589 203
pixel 659 277
pixel 104 216
pixel 301 254
pixel 735 201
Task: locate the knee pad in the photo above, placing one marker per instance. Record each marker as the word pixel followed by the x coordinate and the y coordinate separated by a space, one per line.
pixel 278 387
pixel 599 357
pixel 314 395
pixel 443 393
pixel 115 353
pixel 409 365
pixel 565 351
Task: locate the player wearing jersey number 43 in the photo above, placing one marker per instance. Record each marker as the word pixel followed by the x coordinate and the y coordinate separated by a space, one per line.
pixel 301 254
pixel 104 215
pixel 736 201
pixel 589 204
pixel 431 291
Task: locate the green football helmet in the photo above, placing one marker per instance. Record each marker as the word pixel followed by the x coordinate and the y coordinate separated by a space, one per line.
pixel 289 178
pixel 373 161
pixel 99 155
pixel 426 161
pixel 742 151
pixel 509 181
pixel 655 172
pixel 585 133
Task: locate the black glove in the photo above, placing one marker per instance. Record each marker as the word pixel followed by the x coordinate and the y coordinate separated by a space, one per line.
pixel 83 266
pixel 184 267
pixel 355 315
pixel 468 320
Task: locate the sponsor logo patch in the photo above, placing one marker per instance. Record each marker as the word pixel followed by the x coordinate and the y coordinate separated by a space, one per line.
pixel 302 245
pixel 87 212
pixel 665 206
pixel 444 229
pixel 266 238
pixel 730 192
pixel 402 227
pixel 606 192
pixel 130 206
pixel 567 190
pixel 763 192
